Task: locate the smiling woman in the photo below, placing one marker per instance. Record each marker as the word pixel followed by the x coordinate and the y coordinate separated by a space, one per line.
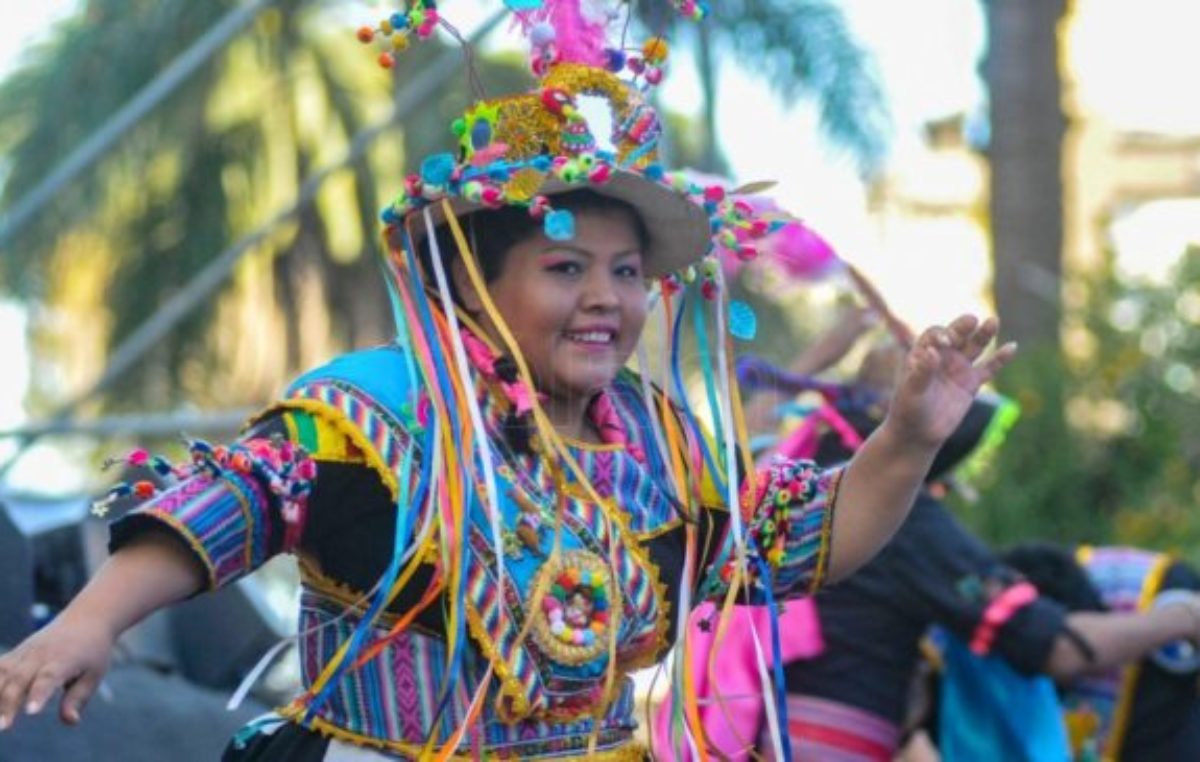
pixel 576 307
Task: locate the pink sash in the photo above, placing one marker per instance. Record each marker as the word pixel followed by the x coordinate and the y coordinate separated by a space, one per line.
pixel 735 728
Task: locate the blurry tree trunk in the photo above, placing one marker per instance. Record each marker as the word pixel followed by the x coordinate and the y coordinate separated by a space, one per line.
pixel 711 158
pixel 1027 127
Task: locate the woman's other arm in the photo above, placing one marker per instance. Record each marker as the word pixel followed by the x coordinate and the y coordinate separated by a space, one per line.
pixel 941 376
pixel 1119 638
pixel 823 353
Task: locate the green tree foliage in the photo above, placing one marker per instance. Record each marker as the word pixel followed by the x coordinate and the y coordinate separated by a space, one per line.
pixel 1117 457
pixel 224 154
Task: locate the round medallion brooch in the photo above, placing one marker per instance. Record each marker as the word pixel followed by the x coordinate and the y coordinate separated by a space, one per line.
pixel 578 608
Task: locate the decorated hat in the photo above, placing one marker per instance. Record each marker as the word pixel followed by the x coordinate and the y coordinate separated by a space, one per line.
pixel 586 123
pixel 981 431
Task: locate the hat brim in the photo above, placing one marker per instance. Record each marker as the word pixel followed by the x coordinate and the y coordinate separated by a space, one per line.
pixel 679 230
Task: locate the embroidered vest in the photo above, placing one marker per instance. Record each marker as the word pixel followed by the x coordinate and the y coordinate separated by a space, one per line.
pixel 550 632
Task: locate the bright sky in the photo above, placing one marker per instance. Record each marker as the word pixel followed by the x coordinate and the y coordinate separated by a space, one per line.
pixel 24 23
pixel 927 52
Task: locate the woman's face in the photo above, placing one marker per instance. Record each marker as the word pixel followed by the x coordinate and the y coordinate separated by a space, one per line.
pixel 577 307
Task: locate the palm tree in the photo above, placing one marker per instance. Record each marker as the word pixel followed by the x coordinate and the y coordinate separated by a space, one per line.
pixel 805 49
pixel 228 150
pixel 1025 152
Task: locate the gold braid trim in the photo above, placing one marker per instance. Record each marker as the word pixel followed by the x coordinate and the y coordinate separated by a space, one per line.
pixel 344 426
pixel 658 531
pixel 629 540
pixel 1129 678
pixel 822 570
pixel 340 593
pixel 248 516
pixel 510 687
pixel 190 538
pixel 631 752
pixel 594 446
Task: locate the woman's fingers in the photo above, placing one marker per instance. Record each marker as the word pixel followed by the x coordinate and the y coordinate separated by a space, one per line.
pixel 981 338
pixel 998 359
pixel 77 695
pixel 29 678
pixel 965 338
pixel 935 338
pixel 966 334
pixel 961 330
pixel 14 679
pixel 44 685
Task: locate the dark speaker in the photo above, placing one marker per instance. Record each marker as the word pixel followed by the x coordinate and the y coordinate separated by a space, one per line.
pixel 43 562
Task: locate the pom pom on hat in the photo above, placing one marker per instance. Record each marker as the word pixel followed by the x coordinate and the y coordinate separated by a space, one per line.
pixel 559 225
pixel 655 50
pixel 743 323
pixel 437 169
pixel 542 34
pixel 616 59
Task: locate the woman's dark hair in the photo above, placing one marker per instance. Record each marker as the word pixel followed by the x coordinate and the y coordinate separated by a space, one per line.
pixel 492 233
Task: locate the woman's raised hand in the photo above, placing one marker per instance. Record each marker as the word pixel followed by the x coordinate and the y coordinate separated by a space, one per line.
pixel 941 375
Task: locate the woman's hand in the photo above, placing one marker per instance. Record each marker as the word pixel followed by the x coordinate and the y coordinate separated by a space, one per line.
pixel 72 653
pixel 941 376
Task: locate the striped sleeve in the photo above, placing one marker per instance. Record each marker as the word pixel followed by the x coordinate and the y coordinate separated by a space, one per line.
pixel 223 521
pixel 789 515
pixel 235 507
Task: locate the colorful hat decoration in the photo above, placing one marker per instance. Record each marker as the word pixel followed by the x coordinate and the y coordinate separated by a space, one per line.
pixel 521 150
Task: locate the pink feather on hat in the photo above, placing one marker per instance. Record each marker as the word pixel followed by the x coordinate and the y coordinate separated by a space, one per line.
pixel 578 30
pixel 801 253
pixel 795 249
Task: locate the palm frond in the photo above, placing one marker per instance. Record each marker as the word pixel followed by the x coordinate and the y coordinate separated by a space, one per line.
pixel 807 50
